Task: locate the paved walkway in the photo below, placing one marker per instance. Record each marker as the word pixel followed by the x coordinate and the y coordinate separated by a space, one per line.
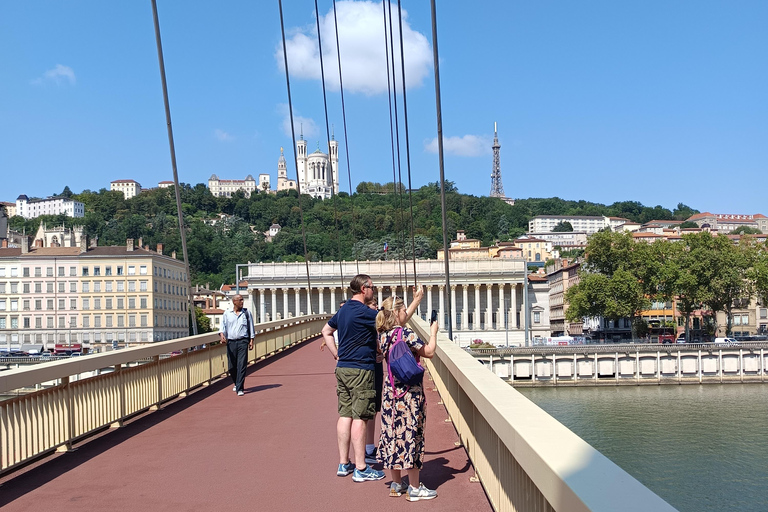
pixel 272 449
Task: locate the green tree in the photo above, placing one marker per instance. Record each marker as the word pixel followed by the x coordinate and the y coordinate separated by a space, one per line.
pixel 731 285
pixel 562 227
pixel 203 322
pixel 746 230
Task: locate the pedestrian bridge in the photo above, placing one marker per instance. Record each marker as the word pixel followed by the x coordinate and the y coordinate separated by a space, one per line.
pixel 139 429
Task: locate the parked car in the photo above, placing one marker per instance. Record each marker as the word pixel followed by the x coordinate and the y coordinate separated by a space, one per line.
pixel 728 342
pixel 680 339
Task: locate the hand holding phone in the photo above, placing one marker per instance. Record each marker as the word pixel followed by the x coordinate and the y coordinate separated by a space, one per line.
pixel 433 318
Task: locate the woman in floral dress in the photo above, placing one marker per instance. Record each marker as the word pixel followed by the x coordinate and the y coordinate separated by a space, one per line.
pixel 403 408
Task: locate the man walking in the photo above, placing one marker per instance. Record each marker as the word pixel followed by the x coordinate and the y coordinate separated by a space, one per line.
pixel 356 356
pixel 237 334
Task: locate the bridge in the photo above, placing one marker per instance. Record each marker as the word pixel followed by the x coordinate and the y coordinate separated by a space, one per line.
pixel 639 364
pixel 169 434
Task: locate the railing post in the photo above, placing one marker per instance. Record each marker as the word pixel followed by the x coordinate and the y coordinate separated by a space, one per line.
pixel 159 376
pixel 189 380
pixel 120 396
pixel 69 422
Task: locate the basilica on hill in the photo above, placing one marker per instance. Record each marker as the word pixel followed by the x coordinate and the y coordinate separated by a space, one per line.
pixel 318 171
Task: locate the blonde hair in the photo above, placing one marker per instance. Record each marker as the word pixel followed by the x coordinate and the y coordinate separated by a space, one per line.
pixel 386 319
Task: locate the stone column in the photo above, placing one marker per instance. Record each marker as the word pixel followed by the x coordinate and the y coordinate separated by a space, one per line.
pixel 274 305
pixel 381 294
pixel 476 318
pixel 262 306
pixel 464 307
pixel 334 305
pixel 441 301
pixel 429 301
pixel 309 302
pixel 285 303
pixel 453 309
pixel 513 308
pixel 297 301
pixel 488 306
pixel 321 305
pixel 500 315
pixel 251 302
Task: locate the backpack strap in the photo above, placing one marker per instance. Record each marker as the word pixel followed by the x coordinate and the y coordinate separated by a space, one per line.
pixel 248 323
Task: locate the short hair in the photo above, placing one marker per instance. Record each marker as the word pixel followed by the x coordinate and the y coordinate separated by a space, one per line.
pixel 342 302
pixel 386 319
pixel 357 283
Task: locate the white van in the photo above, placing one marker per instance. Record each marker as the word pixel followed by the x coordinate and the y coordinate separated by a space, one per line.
pixel 726 341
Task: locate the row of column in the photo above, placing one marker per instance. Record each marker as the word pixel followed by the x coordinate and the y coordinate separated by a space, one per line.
pixel 509 301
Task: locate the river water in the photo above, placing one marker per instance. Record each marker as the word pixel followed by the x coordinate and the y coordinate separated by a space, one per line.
pixel 702 448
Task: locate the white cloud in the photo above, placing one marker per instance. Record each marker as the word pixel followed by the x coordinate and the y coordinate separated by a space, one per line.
pixel 305 125
pixel 222 135
pixel 361 40
pixel 57 75
pixel 468 145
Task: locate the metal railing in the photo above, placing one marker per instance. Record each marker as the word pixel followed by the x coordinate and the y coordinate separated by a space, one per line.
pixel 93 392
pixel 525 459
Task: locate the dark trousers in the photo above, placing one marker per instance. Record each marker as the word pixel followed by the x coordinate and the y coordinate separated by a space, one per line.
pixel 237 356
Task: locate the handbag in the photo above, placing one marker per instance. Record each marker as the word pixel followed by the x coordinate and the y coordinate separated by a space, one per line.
pixel 402 365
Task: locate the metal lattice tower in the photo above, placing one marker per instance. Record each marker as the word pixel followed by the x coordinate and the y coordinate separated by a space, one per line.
pixel 497 189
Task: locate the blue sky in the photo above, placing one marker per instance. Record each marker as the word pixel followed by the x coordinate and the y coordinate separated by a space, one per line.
pixel 655 101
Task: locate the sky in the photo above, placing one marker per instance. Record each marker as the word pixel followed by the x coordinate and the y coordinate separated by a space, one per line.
pixel 655 101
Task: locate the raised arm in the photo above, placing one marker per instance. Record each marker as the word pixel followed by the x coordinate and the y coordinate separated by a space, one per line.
pixel 418 294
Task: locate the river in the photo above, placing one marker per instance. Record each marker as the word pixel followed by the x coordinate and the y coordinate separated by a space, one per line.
pixel 702 448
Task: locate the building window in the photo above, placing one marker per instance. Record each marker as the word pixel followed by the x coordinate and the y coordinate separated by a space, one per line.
pixel 131 286
pixel 108 286
pixel 119 270
pixel 143 270
pixel 108 304
pixel 38 304
pixel 109 320
pixel 15 288
pixel 143 320
pixel 73 271
pixel 86 322
pixel 143 286
pixel 49 271
pixel 49 304
pixel 143 302
pixel 121 286
pixel 72 303
pixel 49 287
pixel 14 322
pixel 97 321
pixel 85 271
pixel 61 271
pixel 62 322
pixel 38 287
pixel 25 305
pixel 2 323
pixel 26 322
pixel 62 286
pixel 97 271
pixel 120 303
pixel 131 270
pixel 73 287
pixel 38 271
pixel 86 304
pixel 108 270
pixel 96 303
pixel 14 305
pixel 39 322
pixel 97 286
pixel 25 288
pixel 536 317
pixel 61 304
pixel 86 287
pixel 131 303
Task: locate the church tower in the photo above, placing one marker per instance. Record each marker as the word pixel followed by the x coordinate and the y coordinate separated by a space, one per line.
pixel 334 157
pixel 497 189
pixel 301 157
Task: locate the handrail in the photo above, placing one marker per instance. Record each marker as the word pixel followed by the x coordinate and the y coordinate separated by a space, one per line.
pixel 53 370
pixel 526 459
pixel 611 348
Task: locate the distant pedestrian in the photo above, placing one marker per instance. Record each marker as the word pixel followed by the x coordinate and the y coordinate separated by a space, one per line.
pixel 356 360
pixel 237 333
pixel 403 408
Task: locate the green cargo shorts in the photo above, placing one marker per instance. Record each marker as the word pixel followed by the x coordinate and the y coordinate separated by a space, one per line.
pixel 357 396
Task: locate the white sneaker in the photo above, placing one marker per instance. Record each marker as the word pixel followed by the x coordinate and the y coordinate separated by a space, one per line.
pixel 234 388
pixel 420 493
pixel 240 393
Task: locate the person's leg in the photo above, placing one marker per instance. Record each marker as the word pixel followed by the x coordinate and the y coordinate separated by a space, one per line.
pixel 413 477
pixel 242 363
pixel 232 362
pixel 343 428
pixel 358 443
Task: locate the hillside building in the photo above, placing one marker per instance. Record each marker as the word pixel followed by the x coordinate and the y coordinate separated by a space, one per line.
pixel 33 208
pixel 226 188
pixel 129 188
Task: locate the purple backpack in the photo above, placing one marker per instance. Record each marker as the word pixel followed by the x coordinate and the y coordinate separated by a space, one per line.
pixel 402 365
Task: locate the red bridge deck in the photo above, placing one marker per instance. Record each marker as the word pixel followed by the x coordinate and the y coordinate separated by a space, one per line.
pixel 272 449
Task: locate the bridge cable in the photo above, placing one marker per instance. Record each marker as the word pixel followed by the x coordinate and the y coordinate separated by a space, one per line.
pixel 182 231
pixel 439 115
pixel 346 140
pixel 330 161
pixel 399 159
pixel 407 145
pixel 391 127
pixel 295 158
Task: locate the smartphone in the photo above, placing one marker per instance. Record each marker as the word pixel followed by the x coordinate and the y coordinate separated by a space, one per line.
pixel 433 318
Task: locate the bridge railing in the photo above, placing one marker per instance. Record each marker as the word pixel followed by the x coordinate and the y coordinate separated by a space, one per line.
pixel 525 459
pixel 92 392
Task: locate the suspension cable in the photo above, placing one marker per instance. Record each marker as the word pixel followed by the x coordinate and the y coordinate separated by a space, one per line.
pixel 330 160
pixel 346 140
pixel 182 231
pixel 439 110
pixel 399 159
pixel 295 158
pixel 407 145
pixel 391 127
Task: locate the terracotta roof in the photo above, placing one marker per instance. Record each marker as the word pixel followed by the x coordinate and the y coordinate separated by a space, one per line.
pixel 125 181
pixel 213 311
pixel 537 278
pixel 10 252
pixel 702 215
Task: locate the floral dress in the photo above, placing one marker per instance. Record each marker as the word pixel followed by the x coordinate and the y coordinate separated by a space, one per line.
pixel 401 444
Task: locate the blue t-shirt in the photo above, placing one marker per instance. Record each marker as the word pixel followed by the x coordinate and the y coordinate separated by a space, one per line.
pixel 356 324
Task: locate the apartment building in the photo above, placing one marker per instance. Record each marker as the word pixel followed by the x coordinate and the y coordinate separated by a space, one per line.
pixel 587 223
pixel 225 188
pixel 90 295
pixel 129 188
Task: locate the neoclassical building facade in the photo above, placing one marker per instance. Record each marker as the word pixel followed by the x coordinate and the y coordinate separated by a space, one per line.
pixel 488 296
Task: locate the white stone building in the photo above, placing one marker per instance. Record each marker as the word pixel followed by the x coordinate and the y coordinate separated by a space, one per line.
pixel 30 209
pixel 129 188
pixel 488 296
pixel 318 173
pixel 587 223
pixel 226 188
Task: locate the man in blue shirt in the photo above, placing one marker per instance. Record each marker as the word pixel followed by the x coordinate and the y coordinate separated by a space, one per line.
pixel 356 356
pixel 237 334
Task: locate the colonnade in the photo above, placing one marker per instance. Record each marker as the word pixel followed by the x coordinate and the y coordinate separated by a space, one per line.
pixel 498 308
